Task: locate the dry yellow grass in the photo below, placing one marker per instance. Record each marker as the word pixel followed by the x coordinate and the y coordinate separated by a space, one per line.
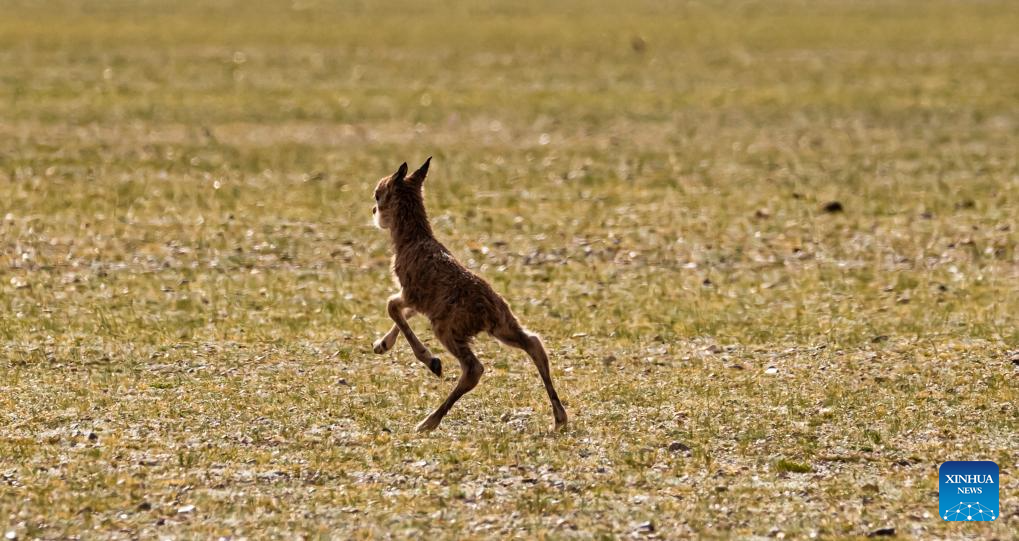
pixel 189 282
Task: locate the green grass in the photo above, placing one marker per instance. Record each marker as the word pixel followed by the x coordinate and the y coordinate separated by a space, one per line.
pixel 190 284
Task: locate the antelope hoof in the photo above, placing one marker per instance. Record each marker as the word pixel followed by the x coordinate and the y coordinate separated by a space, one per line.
pixel 435 365
pixel 560 421
pixel 380 346
pixel 428 424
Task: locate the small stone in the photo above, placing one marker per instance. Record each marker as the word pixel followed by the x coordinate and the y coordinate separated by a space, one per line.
pixel 771 371
pixel 186 509
pixel 659 350
pixel 645 527
pixel 882 532
pixel 11 535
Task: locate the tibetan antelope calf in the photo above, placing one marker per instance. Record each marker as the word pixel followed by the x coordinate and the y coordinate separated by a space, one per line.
pixel 458 303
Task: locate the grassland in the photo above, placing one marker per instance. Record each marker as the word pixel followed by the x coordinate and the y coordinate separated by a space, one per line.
pixel 190 285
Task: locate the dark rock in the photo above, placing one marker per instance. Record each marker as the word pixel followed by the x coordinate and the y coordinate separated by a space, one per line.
pixel 677 446
pixel 832 207
pixel 638 44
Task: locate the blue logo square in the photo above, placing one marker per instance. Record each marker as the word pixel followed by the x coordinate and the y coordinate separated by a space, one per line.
pixel 968 491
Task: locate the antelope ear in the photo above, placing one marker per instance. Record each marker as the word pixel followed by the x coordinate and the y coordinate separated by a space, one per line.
pixel 401 172
pixel 422 172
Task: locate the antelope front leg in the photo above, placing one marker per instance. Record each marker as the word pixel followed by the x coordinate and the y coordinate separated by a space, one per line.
pixel 387 342
pixel 396 307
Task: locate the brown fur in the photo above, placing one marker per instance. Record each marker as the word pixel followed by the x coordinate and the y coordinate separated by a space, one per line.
pixel 459 303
